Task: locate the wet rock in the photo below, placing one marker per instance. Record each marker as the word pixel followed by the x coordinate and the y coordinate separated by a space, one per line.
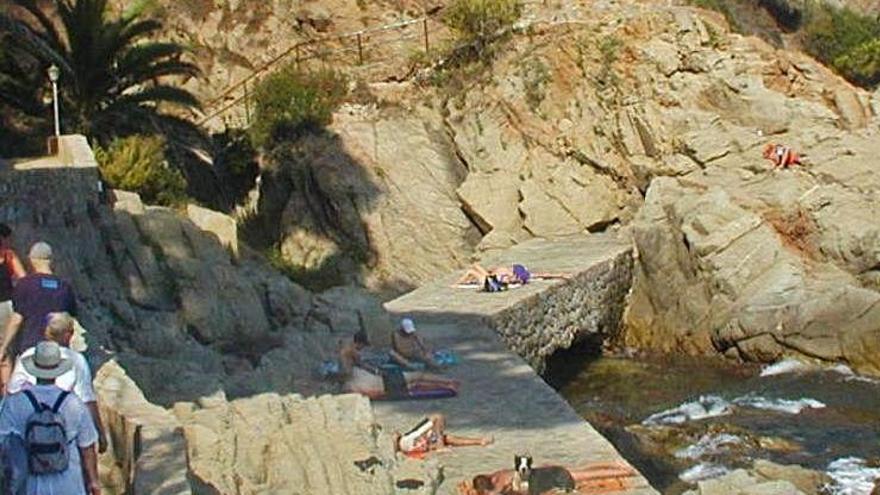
pixel 740 482
pixel 806 480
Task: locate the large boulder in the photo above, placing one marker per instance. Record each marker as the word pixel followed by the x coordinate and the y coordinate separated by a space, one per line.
pixel 714 275
pixel 287 444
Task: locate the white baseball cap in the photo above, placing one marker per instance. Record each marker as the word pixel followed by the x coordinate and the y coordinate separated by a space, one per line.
pixel 408 325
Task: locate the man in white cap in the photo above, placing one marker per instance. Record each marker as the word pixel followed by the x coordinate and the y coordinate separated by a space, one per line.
pixel 408 349
pixel 47 475
pixel 33 298
pixel 78 379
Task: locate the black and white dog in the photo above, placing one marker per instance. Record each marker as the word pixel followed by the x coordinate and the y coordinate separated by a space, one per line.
pixel 533 481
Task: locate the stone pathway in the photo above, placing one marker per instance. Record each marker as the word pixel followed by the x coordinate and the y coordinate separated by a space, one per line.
pixel 501 395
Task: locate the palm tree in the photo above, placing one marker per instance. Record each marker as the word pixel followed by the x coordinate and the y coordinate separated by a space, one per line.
pixel 113 78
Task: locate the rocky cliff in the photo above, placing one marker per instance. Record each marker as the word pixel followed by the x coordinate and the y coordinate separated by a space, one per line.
pixel 640 114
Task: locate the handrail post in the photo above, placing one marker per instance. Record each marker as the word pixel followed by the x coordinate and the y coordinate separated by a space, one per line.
pixel 425 26
pixel 360 49
pixel 247 105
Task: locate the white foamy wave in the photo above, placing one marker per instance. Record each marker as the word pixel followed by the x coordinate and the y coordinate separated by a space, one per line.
pixel 785 366
pixel 707 406
pixel 851 376
pixel 778 405
pixel 852 476
pixel 708 445
pixel 703 471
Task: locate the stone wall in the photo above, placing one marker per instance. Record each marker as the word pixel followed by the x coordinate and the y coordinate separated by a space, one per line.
pixel 147 442
pixel 589 306
pixel 543 316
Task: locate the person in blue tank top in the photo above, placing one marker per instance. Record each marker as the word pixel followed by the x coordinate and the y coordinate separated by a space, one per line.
pixel 35 296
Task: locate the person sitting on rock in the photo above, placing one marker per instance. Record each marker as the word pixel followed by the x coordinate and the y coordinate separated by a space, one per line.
pixel 781 155
pixel 430 436
pixel 78 379
pixel 515 274
pixel 363 378
pixel 408 349
pixel 592 479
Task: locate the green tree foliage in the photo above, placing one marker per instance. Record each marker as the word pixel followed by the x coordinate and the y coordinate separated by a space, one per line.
pixel 137 163
pixel 290 100
pixel 847 41
pixel 113 80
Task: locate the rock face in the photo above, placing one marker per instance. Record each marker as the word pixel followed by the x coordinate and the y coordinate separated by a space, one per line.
pixel 765 478
pixel 272 444
pixel 182 314
pixel 371 201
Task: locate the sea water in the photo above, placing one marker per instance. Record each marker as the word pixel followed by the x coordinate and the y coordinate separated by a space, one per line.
pixel 715 417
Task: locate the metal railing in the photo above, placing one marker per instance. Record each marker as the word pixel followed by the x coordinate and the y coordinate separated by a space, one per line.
pixel 360 52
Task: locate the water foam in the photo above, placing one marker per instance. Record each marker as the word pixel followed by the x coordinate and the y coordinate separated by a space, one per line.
pixel 785 366
pixel 711 406
pixel 703 471
pixel 852 476
pixel 708 445
pixel 707 406
pixel 778 405
pixel 850 376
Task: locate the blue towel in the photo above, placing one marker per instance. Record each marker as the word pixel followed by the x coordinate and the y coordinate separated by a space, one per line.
pixel 446 357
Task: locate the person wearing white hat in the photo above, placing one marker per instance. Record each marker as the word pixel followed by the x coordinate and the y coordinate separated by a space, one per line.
pixel 408 349
pixel 46 364
pixel 78 379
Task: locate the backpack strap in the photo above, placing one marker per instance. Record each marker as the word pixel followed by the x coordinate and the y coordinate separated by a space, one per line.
pixel 33 400
pixel 63 395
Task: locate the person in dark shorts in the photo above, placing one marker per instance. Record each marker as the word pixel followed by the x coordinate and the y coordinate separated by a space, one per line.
pixel 11 270
pixel 33 298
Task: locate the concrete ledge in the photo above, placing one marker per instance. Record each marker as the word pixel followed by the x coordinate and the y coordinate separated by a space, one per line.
pixel 543 316
pixel 147 440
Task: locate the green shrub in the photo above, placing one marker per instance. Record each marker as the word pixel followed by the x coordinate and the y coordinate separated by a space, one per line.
pixel 138 164
pixel 845 40
pixel 479 21
pixel 291 100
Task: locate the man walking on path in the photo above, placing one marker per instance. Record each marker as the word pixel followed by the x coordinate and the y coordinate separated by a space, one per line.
pixel 78 379
pixel 33 298
pixel 52 469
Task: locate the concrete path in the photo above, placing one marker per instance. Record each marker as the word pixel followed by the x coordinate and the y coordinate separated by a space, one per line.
pixel 501 395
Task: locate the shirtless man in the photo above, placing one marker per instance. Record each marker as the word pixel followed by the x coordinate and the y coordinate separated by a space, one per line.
pixel 364 379
pixel 430 436
pixel 595 478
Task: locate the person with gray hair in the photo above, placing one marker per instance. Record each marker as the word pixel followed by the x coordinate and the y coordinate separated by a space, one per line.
pixel 78 379
pixel 56 460
pixel 36 295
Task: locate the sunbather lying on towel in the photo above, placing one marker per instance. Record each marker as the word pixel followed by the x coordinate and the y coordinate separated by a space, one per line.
pixel 362 378
pixel 515 274
pixel 588 480
pixel 430 436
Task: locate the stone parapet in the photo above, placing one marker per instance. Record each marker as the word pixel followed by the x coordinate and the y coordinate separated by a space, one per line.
pixel 147 440
pixel 543 316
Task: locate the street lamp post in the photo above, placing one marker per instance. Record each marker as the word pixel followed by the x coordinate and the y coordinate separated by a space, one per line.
pixel 54 73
